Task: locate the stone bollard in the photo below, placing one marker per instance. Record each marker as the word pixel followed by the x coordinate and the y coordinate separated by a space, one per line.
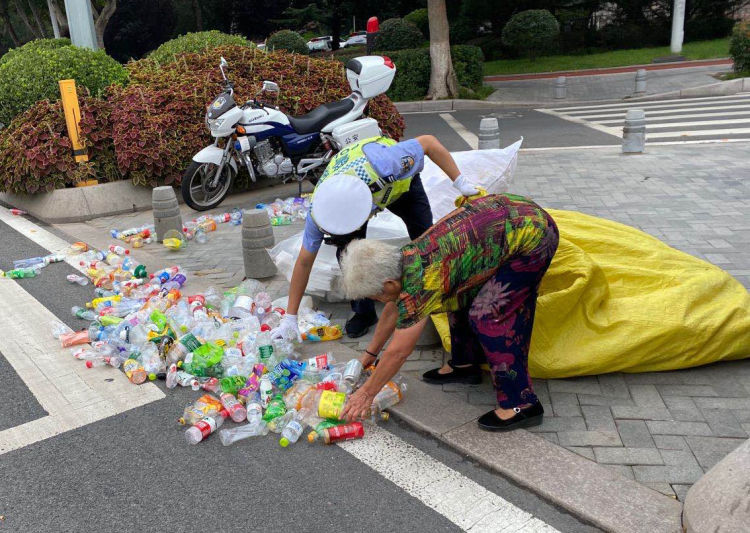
pixel 561 88
pixel 257 235
pixel 489 134
pixel 166 211
pixel 640 82
pixel 634 132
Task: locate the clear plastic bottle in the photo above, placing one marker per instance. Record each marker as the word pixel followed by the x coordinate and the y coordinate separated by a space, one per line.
pixel 83 313
pixel 230 436
pixel 185 379
pixel 135 372
pixel 172 376
pixel 293 429
pixel 75 278
pixel 391 394
pixel 233 407
pixel 265 348
pixel 30 262
pixel 204 427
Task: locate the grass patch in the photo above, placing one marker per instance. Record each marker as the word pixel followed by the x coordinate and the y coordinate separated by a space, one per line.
pixel 616 58
pixel 475 93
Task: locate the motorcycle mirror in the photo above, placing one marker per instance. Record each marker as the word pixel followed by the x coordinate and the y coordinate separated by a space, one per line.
pixel 224 62
pixel 221 67
pixel 270 87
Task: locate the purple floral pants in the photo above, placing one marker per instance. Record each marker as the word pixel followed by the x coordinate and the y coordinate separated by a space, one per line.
pixel 496 328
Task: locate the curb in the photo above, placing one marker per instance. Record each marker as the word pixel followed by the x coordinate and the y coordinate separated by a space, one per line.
pixel 608 70
pixel 418 106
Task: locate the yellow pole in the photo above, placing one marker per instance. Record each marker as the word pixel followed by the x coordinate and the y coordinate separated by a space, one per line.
pixel 72 118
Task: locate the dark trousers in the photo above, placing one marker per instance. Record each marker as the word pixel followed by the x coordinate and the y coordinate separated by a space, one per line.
pixel 413 208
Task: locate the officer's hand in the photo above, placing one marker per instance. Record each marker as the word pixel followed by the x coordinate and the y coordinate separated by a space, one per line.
pixel 464 186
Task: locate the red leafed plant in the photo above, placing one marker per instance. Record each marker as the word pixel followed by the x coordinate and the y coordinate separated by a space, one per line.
pixel 158 119
pixel 36 154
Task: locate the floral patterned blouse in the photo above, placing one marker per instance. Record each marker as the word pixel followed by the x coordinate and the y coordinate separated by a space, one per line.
pixel 444 269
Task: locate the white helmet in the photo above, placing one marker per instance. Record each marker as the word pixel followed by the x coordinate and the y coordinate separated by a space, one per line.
pixel 341 204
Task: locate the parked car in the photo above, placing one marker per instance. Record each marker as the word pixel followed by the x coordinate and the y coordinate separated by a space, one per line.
pixel 356 38
pixel 320 44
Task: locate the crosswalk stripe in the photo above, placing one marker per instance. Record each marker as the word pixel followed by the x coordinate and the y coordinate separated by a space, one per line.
pixel 651 116
pixel 664 125
pixel 739 96
pixel 461 500
pixel 697 133
pixel 661 106
pixel 653 112
pixel 469 137
pixel 617 132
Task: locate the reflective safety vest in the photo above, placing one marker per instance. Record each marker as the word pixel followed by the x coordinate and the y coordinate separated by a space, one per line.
pixel 352 160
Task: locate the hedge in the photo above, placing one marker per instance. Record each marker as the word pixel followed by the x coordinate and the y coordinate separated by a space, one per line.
pixel 288 40
pixel 32 75
pixel 739 47
pixel 413 70
pixel 420 19
pixel 531 32
pixel 195 42
pixel 398 34
pixel 32 46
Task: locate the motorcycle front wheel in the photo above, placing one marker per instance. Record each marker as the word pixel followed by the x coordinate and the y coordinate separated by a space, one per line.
pixel 197 190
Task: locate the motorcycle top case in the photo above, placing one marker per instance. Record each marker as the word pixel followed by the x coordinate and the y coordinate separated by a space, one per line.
pixel 364 128
pixel 370 75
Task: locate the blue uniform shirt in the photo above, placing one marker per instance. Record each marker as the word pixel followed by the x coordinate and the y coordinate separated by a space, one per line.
pixel 397 162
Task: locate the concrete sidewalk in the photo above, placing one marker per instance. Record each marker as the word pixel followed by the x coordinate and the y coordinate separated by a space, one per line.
pixel 617 449
pixel 601 87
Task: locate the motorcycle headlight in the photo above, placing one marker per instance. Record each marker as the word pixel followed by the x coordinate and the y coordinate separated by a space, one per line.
pixel 215 123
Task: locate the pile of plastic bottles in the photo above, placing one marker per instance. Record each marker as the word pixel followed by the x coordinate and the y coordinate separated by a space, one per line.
pixel 219 344
pixel 284 212
pixel 30 267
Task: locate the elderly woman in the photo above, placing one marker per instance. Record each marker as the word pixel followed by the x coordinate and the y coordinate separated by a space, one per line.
pixel 482 264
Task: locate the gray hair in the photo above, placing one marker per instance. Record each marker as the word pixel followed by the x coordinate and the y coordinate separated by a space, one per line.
pixel 366 264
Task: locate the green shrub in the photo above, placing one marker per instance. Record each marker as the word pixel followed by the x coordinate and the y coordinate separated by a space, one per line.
pixel 531 32
pixel 195 42
pixel 36 154
pixel 31 46
pixel 288 40
pixel 398 34
pixel 491 45
pixel 419 18
pixel 413 71
pixel 158 119
pixel 33 75
pixel 462 30
pixel 739 47
pixel 708 27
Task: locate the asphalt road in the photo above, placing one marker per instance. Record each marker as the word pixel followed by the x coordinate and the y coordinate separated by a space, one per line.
pixel 134 471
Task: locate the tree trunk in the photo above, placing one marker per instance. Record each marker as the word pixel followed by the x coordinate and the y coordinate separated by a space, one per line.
pixel 198 13
pixel 100 24
pixel 335 25
pixel 37 20
pixel 22 14
pixel 443 83
pixel 53 20
pixel 6 19
pixel 62 20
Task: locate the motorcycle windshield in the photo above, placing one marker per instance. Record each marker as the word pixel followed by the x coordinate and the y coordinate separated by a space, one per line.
pixel 223 103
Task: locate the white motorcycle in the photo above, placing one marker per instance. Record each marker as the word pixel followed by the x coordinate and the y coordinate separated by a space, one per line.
pixel 273 144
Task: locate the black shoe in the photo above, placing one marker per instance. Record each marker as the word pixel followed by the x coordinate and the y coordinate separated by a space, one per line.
pixel 524 418
pixel 359 325
pixel 471 375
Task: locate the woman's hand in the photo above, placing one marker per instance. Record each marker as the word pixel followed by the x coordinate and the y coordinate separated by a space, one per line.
pixel 366 359
pixel 357 406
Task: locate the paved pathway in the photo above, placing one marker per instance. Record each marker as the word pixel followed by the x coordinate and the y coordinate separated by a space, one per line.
pixel 661 429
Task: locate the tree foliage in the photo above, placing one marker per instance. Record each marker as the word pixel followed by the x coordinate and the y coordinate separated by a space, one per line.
pixel 531 32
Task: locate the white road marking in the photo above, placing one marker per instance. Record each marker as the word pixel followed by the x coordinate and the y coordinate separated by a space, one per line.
pixel 663 125
pixel 717 99
pixel 653 112
pixel 617 132
pixel 695 133
pixel 471 139
pixel 72 394
pixel 636 105
pixel 655 115
pixel 617 146
pixel 427 112
pixel 461 500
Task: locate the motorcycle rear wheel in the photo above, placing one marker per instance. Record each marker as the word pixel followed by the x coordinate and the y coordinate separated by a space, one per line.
pixel 196 189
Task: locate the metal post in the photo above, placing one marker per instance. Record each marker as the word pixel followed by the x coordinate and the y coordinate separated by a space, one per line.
pixel 560 88
pixel 53 19
pixel 634 132
pixel 81 23
pixel 489 133
pixel 678 22
pixel 640 81
pixel 373 27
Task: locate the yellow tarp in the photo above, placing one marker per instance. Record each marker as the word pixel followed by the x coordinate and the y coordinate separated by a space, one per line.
pixel 618 300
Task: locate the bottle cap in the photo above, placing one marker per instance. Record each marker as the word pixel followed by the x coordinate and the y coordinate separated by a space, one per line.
pixel 312 436
pixel 284 442
pixel 89 364
pixel 152 376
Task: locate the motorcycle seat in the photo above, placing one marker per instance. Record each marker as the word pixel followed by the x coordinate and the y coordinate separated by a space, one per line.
pixel 320 116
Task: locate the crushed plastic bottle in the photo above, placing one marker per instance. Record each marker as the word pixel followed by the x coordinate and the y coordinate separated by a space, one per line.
pixel 204 427
pixel 230 436
pixel 75 278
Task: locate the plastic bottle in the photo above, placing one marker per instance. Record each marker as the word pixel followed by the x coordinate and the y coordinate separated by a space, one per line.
pixel 233 407
pixel 206 405
pixel 230 436
pixel 320 362
pixel 265 348
pixel 135 372
pixel 75 278
pixel 119 250
pixel 293 429
pixel 30 262
pixel 391 393
pixel 352 371
pixel 83 313
pixel 265 390
pixel 278 424
pixel 185 379
pixel 232 384
pixel 324 333
pixel 355 430
pixel 254 409
pixel 204 427
pixel 326 404
pixel 210 384
pixel 179 350
pixel 20 273
pixel 276 407
pixel 172 376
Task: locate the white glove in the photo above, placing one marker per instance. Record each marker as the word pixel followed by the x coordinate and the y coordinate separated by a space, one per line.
pixel 464 186
pixel 288 329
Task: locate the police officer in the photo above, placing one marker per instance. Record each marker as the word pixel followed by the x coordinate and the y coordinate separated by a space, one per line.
pixel 361 180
